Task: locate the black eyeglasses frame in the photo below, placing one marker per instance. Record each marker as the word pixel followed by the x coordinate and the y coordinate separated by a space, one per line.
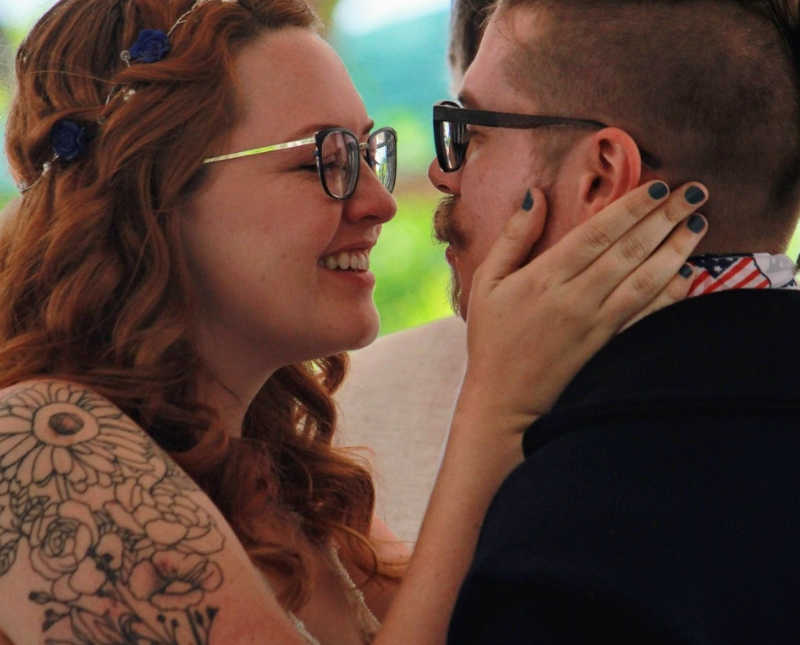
pixel 363 148
pixel 452 112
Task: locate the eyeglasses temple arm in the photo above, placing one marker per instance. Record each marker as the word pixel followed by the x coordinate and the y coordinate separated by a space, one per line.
pixel 260 151
pixel 508 120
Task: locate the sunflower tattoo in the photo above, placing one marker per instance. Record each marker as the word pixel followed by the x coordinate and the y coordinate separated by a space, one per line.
pixel 138 540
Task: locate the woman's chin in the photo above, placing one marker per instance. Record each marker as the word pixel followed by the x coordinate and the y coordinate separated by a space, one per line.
pixel 368 333
pixel 362 328
pixel 353 332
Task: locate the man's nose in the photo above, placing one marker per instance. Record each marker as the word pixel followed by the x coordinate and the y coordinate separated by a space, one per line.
pixel 446 182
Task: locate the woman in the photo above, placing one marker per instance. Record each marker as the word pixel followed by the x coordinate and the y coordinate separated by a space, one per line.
pixel 178 265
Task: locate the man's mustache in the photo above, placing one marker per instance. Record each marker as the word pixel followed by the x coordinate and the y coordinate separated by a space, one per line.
pixel 446 229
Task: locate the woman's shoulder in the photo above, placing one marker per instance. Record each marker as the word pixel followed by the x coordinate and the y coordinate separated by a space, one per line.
pixel 57 413
pixel 103 538
pixel 55 431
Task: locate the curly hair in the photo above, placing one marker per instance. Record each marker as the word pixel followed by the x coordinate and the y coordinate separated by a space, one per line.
pixel 95 284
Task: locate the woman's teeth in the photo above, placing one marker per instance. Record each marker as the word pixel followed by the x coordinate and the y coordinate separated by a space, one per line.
pixel 347 261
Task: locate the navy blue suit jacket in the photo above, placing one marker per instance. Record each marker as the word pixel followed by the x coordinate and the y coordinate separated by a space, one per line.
pixel 659 502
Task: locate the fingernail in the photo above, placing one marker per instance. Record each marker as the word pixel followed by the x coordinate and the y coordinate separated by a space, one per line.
pixel 696 224
pixel 686 271
pixel 658 190
pixel 528 203
pixel 694 195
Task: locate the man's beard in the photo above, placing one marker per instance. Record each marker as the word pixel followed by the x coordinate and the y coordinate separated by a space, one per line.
pixel 447 231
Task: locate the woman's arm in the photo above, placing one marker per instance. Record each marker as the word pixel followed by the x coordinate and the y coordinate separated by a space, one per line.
pixel 103 539
pixel 531 327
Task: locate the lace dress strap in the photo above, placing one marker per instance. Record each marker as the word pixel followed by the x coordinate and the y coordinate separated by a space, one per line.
pixel 301 628
pixel 367 621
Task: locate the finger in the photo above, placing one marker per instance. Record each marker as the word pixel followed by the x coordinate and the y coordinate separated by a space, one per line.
pixel 588 241
pixel 513 246
pixel 636 245
pixel 644 286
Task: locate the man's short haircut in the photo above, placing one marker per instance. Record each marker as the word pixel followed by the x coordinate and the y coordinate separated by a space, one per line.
pixel 467 21
pixel 709 86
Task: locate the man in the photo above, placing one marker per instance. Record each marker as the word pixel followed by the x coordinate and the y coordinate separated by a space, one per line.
pixel 658 501
pixel 400 392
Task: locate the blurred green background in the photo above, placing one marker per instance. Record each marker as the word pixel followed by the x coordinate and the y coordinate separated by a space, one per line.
pixel 396 53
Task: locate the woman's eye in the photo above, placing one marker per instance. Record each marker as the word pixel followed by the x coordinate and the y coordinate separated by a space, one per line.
pixel 330 164
pixel 312 167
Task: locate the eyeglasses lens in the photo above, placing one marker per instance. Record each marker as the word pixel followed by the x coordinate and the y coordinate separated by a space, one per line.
pixel 339 161
pixel 382 153
pixel 452 138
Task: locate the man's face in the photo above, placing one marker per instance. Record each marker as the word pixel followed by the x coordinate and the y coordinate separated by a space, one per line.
pixel 500 164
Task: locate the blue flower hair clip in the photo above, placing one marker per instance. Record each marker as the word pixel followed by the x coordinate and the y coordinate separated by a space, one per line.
pixel 69 139
pixel 151 46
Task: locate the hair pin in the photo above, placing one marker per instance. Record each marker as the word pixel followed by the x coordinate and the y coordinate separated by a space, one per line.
pixel 151 46
pixel 69 140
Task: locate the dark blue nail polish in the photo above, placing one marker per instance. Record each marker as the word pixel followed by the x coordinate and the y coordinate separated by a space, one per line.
pixel 528 203
pixel 696 224
pixel 686 271
pixel 694 195
pixel 658 190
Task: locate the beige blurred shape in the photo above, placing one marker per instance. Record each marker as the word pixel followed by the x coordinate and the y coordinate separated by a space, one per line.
pixel 397 400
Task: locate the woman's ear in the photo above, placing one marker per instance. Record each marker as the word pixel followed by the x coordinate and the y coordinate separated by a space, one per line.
pixel 611 166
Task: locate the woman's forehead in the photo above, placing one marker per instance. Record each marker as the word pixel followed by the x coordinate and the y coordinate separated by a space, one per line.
pixel 292 81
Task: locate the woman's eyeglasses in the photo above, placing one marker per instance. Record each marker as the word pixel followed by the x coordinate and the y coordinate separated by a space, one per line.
pixel 451 135
pixel 338 157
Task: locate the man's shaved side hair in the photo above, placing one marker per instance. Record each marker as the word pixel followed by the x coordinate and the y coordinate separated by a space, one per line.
pixel 708 86
pixel 467 21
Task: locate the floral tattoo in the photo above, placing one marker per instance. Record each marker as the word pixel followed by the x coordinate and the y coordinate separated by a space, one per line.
pixel 134 565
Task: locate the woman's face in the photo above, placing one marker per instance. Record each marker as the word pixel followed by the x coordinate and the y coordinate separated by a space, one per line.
pixel 260 229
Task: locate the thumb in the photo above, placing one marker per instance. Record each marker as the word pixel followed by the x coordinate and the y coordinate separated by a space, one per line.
pixel 512 248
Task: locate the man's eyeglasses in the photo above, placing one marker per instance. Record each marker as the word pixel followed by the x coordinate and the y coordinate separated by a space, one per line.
pixel 338 157
pixel 451 135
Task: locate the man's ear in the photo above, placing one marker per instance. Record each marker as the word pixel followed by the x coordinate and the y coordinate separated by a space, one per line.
pixel 611 166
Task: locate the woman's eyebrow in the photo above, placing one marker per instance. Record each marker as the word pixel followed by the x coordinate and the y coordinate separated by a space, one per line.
pixel 309 130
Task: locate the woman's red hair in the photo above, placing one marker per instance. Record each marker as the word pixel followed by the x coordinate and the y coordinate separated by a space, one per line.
pixel 94 283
